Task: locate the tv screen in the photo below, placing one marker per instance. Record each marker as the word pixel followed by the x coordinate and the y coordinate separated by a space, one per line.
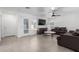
pixel 41 22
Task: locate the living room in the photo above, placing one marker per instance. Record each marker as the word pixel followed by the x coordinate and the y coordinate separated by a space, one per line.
pixel 39 29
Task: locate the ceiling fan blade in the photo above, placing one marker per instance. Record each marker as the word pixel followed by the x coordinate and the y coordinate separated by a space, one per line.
pixel 27 7
pixel 56 15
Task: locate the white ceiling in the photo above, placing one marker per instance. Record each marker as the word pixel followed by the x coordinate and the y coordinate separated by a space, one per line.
pixel 38 11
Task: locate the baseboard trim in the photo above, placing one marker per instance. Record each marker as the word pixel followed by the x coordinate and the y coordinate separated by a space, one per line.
pixel 8 36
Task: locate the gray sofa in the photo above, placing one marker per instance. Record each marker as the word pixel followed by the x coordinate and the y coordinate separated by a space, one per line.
pixel 69 41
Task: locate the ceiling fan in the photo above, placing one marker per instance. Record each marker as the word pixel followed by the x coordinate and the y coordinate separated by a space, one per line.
pixel 53 12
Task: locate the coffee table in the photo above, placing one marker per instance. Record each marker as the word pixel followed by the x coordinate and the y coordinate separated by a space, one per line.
pixel 49 32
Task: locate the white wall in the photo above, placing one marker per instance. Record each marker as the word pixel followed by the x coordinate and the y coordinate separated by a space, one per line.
pixel 69 18
pixel 19 14
pixel 9 24
pixel 0 27
pixel 12 16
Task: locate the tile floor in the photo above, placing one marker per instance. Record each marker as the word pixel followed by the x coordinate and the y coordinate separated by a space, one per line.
pixel 36 43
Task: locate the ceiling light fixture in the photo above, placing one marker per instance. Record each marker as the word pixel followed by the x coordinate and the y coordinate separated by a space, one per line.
pixel 53 8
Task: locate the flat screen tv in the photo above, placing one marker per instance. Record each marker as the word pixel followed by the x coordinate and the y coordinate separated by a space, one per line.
pixel 41 22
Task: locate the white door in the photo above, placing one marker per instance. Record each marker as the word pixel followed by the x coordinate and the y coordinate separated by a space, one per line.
pixel 9 25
